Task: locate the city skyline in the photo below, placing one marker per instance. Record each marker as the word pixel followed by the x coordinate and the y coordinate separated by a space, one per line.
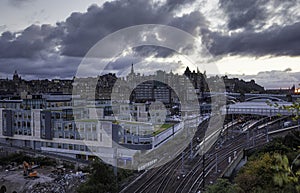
pixel 149 96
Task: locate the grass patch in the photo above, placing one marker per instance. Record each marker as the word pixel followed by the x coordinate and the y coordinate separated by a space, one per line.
pixel 162 128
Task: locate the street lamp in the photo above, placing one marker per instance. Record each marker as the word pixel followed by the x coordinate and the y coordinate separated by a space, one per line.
pixel 227 107
pixel 203 171
pixel 268 126
pixel 203 164
pixel 216 162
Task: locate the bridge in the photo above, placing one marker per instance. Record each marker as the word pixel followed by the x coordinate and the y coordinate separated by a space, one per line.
pixel 257 108
pixel 250 96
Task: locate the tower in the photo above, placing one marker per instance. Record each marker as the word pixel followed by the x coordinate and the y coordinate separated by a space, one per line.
pixel 131 75
pixel 16 77
pixel 132 70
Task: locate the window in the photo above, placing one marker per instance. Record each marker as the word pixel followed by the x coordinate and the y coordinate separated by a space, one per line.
pixel 58 126
pixel 82 148
pixel 76 147
pixel 94 127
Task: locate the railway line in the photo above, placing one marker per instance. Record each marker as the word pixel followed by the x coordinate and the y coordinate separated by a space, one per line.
pixel 158 179
pixel 173 178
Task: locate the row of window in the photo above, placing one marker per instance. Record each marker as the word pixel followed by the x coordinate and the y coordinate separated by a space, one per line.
pixel 71 126
pixel 65 146
pixel 22 124
pixel 23 132
pixel 90 136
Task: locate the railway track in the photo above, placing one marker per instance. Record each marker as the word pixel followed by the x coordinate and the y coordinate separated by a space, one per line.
pixel 165 178
pixel 192 181
pixel 159 178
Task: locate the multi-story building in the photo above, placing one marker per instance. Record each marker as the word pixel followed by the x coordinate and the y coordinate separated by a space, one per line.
pixel 99 123
pixel 50 123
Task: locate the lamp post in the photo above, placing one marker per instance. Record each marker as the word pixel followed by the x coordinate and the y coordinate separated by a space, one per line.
pixel 227 107
pixel 216 162
pixel 203 171
pixel 182 162
pixel 191 155
pixel 298 119
pixel 203 164
pixel 268 126
pixel 231 125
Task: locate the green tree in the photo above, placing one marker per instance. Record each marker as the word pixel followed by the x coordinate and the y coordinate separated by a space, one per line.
pixel 293 108
pixel 282 171
pixel 223 186
pixel 256 173
pixel 101 180
pixel 269 172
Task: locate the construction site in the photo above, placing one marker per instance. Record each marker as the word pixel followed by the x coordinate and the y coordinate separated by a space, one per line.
pixel 24 173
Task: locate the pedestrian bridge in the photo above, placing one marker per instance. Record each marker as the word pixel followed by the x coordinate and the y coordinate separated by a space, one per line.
pixel 257 108
pixel 265 98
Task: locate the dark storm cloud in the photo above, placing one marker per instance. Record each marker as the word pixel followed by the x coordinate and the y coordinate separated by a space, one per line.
pixel 187 22
pixel 29 43
pixel 265 28
pixel 243 13
pixel 88 28
pixel 53 67
pixel 81 31
pixel 190 22
pixel 172 4
pixel 277 41
pixel 84 30
pixel 253 14
pixel 37 46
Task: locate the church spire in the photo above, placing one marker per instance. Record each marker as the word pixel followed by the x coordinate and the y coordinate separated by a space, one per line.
pixel 132 70
pixel 16 76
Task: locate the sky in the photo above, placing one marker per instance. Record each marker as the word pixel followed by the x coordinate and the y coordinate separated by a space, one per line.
pixel 253 39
